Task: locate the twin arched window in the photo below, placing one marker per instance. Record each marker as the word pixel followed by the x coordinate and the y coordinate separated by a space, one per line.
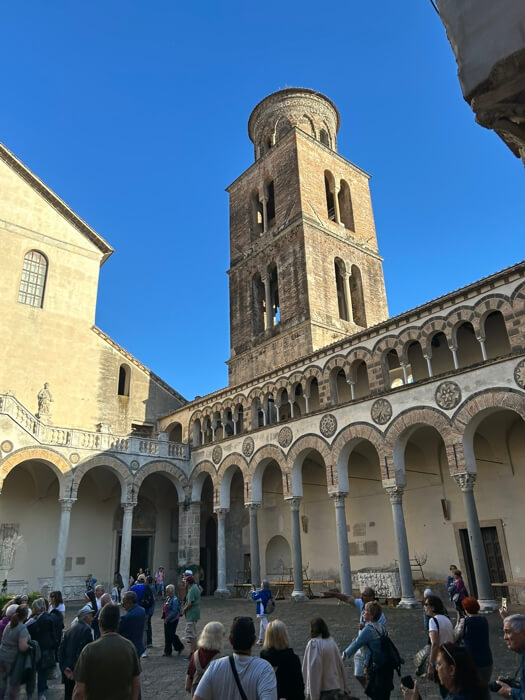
pixel 33 281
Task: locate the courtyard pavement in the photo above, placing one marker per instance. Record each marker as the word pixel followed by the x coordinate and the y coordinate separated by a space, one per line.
pixel 163 677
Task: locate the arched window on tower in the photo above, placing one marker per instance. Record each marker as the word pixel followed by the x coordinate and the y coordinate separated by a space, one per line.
pixel 275 309
pixel 329 185
pixel 324 138
pixel 33 280
pixel 124 375
pixel 346 211
pixel 357 297
pixel 341 287
pixel 258 304
pixel 270 203
pixel 256 209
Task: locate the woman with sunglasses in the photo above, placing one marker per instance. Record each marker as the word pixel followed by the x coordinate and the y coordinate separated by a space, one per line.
pixel 440 631
pixel 456 672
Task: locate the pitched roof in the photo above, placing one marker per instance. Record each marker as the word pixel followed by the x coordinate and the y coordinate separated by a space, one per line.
pixel 54 200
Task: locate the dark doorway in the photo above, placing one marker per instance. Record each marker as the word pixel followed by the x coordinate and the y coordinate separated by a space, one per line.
pixel 208 557
pixel 140 553
pixel 495 564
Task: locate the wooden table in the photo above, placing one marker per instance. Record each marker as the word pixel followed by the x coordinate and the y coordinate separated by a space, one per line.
pixel 242 590
pixel 284 588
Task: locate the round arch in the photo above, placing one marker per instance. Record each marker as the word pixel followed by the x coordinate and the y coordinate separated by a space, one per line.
pixel 117 466
pixel 345 443
pixel 297 455
pixel 259 461
pixel 172 472
pixel 53 459
pixel 198 476
pixel 476 408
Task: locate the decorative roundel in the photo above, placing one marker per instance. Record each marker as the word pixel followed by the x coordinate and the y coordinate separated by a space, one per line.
pixel 6 446
pixel 381 411
pixel 134 465
pixel 216 455
pixel 285 436
pixel 328 425
pixel 248 447
pixel 519 374
pixel 448 395
pixel 74 458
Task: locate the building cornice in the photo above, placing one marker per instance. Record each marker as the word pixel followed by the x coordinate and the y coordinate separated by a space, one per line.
pixel 54 201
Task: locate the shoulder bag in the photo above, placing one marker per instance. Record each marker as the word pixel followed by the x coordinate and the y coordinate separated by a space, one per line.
pixel 236 676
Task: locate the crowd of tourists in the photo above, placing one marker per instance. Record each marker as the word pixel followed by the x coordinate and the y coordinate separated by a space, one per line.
pixel 98 656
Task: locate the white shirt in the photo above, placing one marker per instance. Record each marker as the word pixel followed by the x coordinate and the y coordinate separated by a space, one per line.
pixel 256 675
pixel 446 630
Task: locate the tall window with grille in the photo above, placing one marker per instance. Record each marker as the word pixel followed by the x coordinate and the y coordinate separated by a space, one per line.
pixel 33 282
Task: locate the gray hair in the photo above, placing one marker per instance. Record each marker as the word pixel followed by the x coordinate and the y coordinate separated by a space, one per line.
pixel 517 622
pixel 39 605
pixel 170 589
pixel 212 636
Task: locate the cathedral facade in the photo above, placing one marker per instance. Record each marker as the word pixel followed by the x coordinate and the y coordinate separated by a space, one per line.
pixel 347 441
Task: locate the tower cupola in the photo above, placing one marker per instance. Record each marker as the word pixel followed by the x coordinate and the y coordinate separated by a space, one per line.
pixel 305 109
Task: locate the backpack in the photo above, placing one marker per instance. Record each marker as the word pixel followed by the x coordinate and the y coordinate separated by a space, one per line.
pixel 389 655
pixel 270 606
pixel 147 599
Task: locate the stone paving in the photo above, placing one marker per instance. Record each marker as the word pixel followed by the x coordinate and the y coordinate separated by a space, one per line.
pixel 163 678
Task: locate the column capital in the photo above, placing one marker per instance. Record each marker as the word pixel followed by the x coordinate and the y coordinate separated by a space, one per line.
pixel 128 507
pixel 395 493
pixel 221 512
pixel 294 502
pixel 66 503
pixel 252 507
pixel 338 498
pixel 465 481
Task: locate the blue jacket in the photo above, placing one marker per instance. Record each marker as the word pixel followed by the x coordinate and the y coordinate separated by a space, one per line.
pixel 519 693
pixel 172 609
pixel 262 597
pixel 369 636
pixel 132 627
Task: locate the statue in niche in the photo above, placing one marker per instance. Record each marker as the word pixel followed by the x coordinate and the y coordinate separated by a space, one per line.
pixel 44 402
pixel 8 541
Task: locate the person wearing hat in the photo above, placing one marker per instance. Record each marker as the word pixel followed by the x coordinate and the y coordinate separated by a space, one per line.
pixel 75 639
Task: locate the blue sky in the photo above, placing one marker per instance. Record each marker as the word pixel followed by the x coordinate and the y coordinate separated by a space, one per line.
pixel 136 115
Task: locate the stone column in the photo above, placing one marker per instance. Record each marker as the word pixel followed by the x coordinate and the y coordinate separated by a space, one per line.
pixel 454 351
pixel 297 558
pixel 264 201
pixel 342 542
pixel 336 205
pixel 307 403
pixel 429 365
pixel 63 535
pixel 291 408
pixel 466 483
pixel 405 573
pixel 351 384
pixel 348 293
pixel 255 561
pixel 481 341
pixel 268 300
pixel 125 546
pixel 222 591
pixel 405 372
pixel 189 533
pixel 277 412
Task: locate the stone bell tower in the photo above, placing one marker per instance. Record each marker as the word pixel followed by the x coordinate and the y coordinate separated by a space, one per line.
pixel 305 269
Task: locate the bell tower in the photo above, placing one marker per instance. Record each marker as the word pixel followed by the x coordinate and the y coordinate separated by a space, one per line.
pixel 305 270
